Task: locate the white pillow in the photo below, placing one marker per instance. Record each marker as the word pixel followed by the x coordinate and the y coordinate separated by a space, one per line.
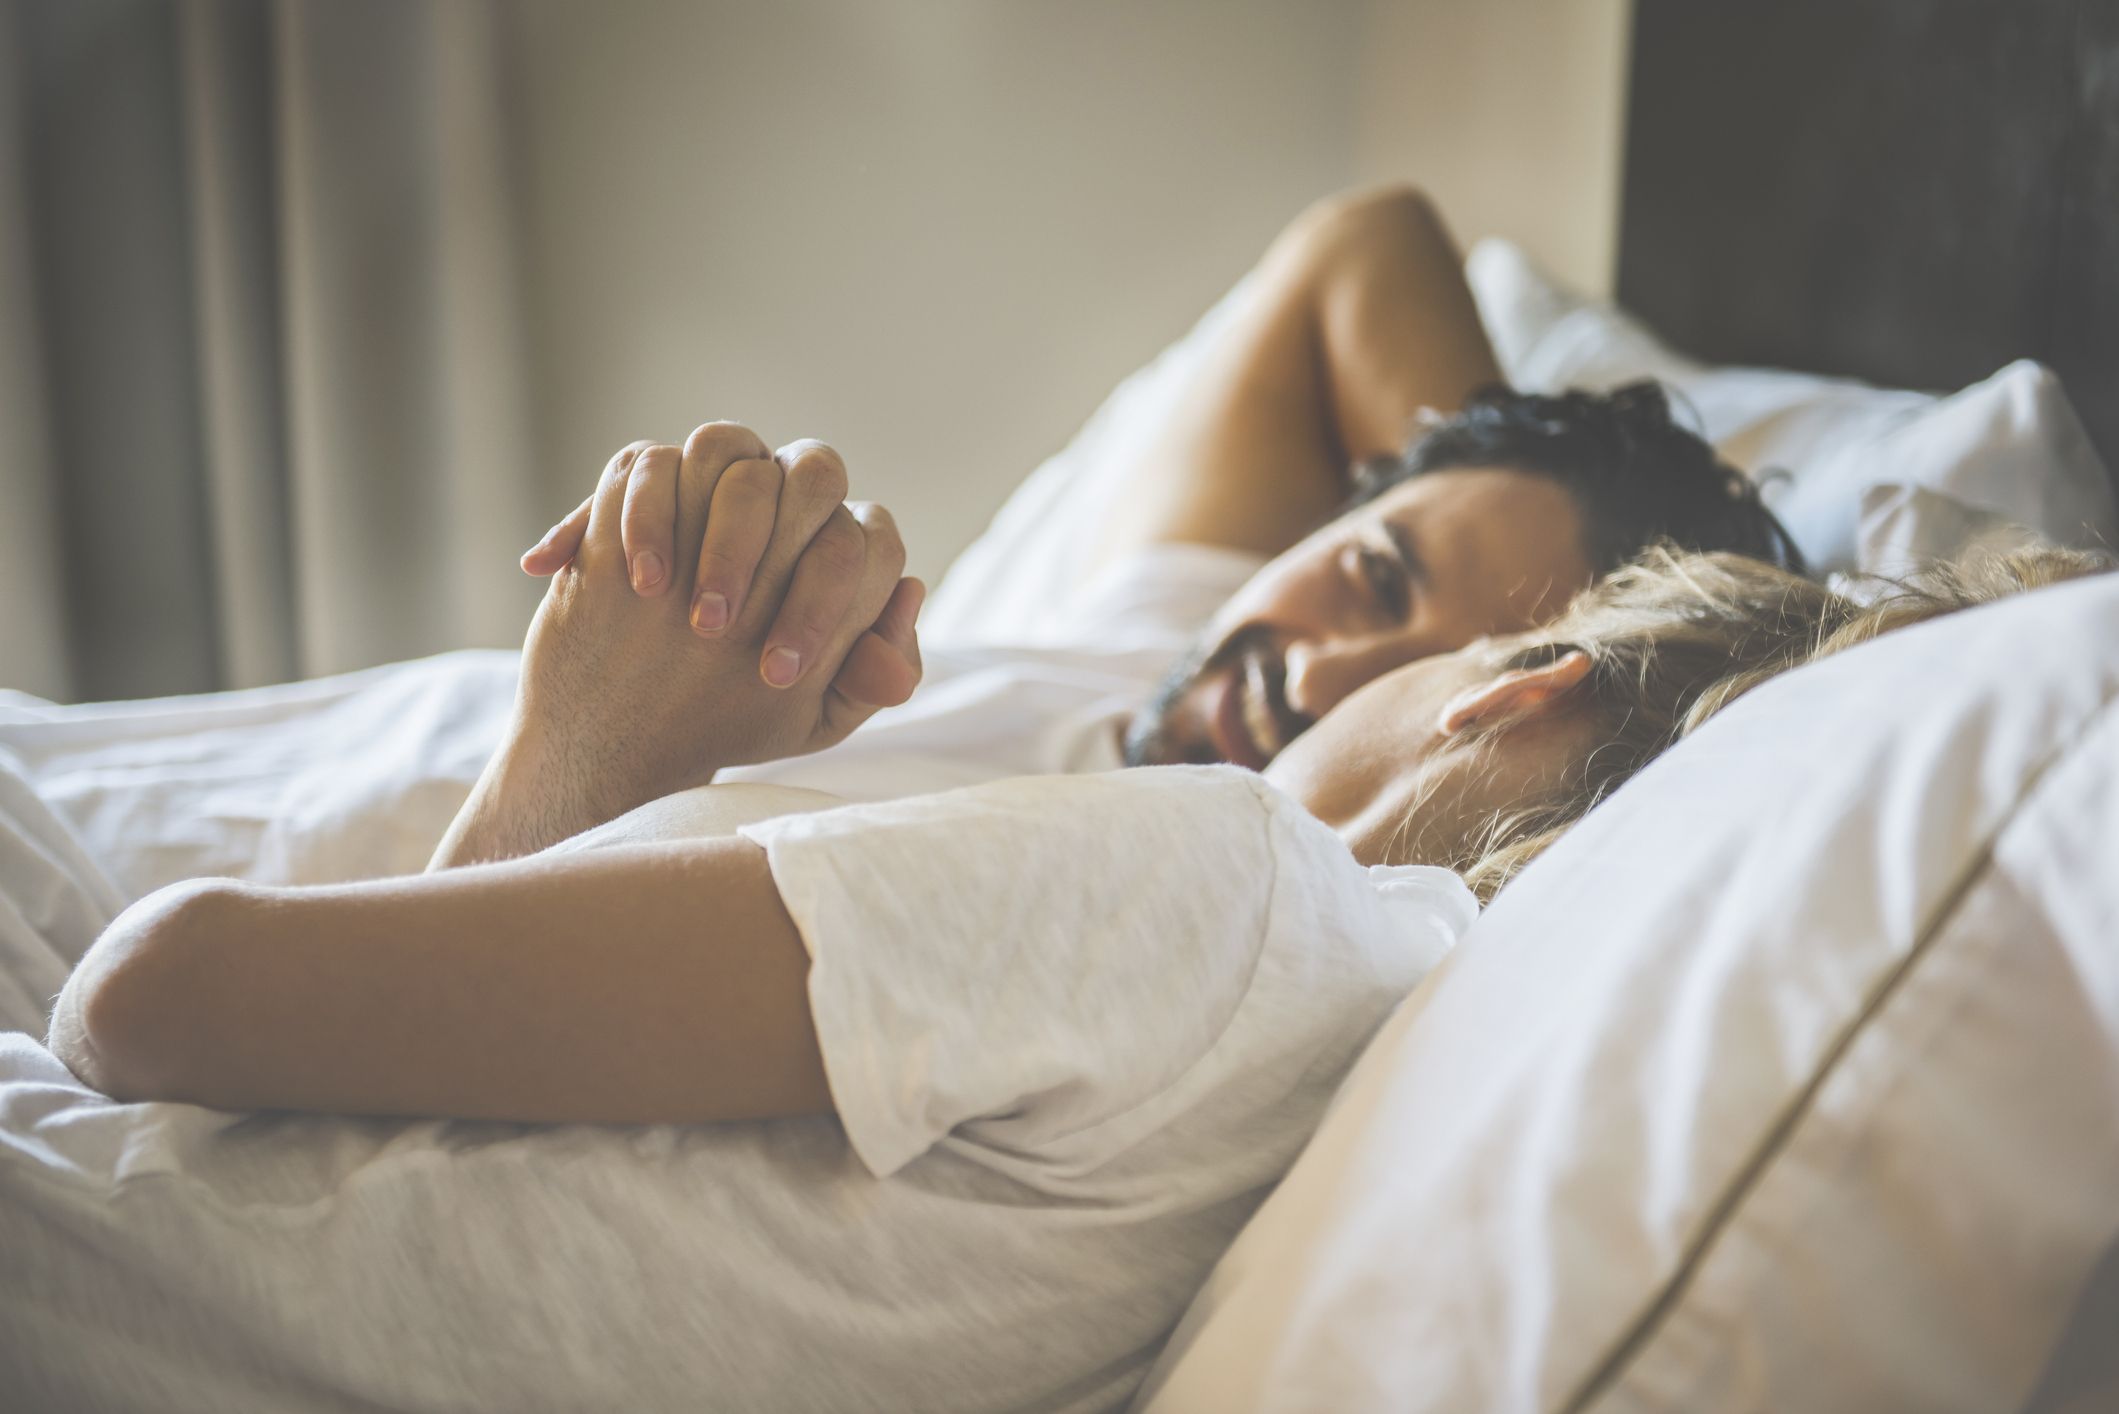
pixel 1905 527
pixel 2010 445
pixel 1789 1080
pixel 1020 582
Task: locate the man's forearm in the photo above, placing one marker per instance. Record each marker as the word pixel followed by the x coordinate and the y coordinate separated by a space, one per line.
pixel 487 830
pixel 523 802
pixel 1397 329
pixel 1356 318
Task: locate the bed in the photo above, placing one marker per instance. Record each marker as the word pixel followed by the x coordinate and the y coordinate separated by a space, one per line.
pixel 1791 1080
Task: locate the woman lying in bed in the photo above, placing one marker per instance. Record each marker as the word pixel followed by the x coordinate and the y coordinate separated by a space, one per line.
pixel 385 997
pixel 1000 1071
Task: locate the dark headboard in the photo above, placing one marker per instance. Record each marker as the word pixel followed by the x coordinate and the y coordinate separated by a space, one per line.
pixel 1908 191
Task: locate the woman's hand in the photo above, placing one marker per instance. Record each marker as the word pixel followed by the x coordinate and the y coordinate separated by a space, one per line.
pixel 804 585
pixel 738 527
pixel 625 697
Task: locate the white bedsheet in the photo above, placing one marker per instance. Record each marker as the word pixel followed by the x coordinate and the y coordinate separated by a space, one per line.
pixel 338 778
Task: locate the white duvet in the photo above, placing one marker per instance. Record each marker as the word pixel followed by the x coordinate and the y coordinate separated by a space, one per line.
pixel 338 778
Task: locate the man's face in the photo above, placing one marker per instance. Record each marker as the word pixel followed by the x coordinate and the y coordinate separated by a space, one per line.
pixel 1427 567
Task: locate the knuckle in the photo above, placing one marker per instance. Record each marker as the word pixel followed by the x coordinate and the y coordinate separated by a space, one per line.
pixel 640 501
pixel 839 549
pixel 622 460
pixel 749 480
pixel 818 469
pixel 627 475
pixel 880 528
pixel 650 459
pixel 805 624
pixel 722 441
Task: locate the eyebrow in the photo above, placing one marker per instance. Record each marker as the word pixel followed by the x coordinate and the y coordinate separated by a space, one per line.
pixel 1408 553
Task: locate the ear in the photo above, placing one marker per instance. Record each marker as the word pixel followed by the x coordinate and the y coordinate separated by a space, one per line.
pixel 1520 692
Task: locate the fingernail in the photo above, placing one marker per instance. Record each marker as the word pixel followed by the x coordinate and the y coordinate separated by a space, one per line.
pixel 782 665
pixel 647 571
pixel 709 612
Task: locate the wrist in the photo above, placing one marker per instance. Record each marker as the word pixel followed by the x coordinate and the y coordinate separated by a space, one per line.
pixel 524 801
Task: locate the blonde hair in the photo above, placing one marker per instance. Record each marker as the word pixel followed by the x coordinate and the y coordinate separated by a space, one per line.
pixel 1674 638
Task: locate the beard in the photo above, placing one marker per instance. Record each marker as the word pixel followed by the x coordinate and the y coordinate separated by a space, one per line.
pixel 1152 736
pixel 1149 738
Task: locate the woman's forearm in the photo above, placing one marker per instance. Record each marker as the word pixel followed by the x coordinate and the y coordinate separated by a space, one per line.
pixel 630 985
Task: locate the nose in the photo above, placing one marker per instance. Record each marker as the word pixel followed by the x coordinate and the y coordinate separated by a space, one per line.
pixel 1322 672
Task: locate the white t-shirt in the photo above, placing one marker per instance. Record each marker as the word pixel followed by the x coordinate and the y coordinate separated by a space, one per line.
pixel 1080 1024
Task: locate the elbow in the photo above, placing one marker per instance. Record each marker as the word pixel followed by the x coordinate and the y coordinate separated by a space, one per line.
pixel 1394 204
pixel 1350 246
pixel 1395 211
pixel 125 1022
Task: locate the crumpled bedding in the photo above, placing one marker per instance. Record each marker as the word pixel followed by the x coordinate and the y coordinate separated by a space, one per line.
pixel 346 777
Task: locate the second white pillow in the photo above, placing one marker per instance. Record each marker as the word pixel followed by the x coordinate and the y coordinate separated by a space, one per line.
pixel 2010 445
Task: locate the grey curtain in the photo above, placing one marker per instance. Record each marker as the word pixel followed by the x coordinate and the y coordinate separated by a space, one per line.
pixel 263 407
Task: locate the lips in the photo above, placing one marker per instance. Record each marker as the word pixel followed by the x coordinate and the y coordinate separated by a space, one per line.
pixel 1226 726
pixel 1246 720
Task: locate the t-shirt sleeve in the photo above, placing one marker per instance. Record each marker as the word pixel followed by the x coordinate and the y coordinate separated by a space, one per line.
pixel 1042 953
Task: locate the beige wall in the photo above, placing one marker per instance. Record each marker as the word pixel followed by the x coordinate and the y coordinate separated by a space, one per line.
pixel 936 232
pixel 933 234
pixel 1511 112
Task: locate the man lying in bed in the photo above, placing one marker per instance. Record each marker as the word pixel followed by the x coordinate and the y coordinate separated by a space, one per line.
pixel 1133 598
pixel 1352 337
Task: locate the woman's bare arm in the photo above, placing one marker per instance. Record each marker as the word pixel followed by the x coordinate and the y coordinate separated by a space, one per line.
pixel 636 984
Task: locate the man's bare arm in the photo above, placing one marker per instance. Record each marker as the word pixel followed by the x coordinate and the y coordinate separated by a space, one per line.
pixel 635 984
pixel 1358 319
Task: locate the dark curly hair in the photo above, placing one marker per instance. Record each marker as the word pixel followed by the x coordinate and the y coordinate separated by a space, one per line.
pixel 1636 476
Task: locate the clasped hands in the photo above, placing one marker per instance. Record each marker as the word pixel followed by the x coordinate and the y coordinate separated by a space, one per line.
pixel 713 605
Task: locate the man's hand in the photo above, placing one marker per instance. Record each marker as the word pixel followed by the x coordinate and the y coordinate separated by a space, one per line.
pixel 624 697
